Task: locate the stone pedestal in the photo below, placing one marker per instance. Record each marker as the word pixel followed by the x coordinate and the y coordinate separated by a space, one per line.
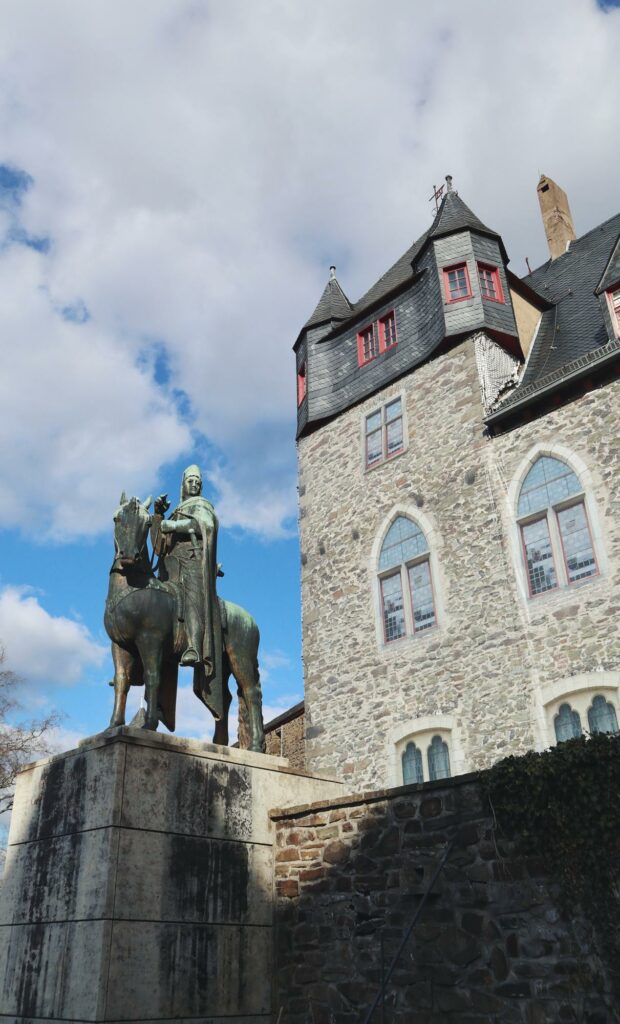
pixel 139 882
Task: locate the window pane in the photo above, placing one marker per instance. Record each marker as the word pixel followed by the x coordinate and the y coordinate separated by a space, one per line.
pixel 393 614
pixel 388 330
pixel 438 759
pixel 422 596
pixel 580 560
pixel 392 410
pixel 403 541
pixel 487 282
pixel 567 724
pixel 369 343
pixel 548 481
pixel 374 448
pixel 602 716
pixel 373 422
pixel 412 765
pixel 457 282
pixel 394 431
pixel 539 557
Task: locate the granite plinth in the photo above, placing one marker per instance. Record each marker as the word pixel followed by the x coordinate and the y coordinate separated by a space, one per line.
pixel 139 882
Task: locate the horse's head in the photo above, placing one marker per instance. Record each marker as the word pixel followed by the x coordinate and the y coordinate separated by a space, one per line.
pixel 131 524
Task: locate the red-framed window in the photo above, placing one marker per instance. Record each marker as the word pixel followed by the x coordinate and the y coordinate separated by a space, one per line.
pixel 555 532
pixel 456 283
pixel 367 344
pixel 613 298
pixel 387 331
pixel 490 283
pixel 376 338
pixel 384 436
pixel 407 597
pixel 301 383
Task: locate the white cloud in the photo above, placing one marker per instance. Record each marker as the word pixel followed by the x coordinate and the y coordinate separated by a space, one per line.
pixel 198 167
pixel 41 647
pixel 271 661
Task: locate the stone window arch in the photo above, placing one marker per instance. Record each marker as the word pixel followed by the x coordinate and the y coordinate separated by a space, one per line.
pixel 583 704
pixel 426 757
pixel 425 748
pixel 556 541
pixel 407 596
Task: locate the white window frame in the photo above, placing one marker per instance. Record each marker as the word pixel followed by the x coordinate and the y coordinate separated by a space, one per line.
pixel 554 451
pixel 370 411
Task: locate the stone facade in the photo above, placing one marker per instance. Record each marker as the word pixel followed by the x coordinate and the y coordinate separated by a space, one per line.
pixel 489 676
pixel 285 737
pixel 490 943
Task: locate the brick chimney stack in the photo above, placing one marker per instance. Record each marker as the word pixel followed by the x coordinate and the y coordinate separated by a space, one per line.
pixel 556 215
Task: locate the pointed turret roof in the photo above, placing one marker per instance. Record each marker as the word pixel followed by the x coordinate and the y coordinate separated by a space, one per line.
pixel 454 215
pixel 333 304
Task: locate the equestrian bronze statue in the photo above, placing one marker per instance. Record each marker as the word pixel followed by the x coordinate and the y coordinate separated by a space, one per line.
pixel 157 622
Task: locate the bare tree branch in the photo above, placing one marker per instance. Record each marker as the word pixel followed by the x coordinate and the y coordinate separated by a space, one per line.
pixel 19 743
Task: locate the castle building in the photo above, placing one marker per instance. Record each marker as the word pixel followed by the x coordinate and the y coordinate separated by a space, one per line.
pixel 459 499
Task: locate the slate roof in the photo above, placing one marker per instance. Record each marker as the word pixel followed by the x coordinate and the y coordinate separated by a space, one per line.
pixel 575 326
pixel 452 216
pixel 611 274
pixel 333 305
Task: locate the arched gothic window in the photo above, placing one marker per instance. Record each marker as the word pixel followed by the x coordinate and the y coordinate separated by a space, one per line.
pixel 412 764
pixel 555 532
pixel 438 759
pixel 407 599
pixel 602 716
pixel 436 764
pixel 567 723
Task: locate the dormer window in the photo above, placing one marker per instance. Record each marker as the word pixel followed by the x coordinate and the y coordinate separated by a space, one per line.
pixel 367 345
pixel 376 338
pixel 301 383
pixel 490 283
pixel 387 331
pixel 613 298
pixel 456 283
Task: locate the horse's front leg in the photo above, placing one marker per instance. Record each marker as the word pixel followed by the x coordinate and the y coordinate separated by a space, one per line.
pixel 150 648
pixel 123 663
pixel 245 671
pixel 221 726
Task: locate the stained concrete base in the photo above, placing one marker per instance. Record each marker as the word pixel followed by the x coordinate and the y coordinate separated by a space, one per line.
pixel 139 882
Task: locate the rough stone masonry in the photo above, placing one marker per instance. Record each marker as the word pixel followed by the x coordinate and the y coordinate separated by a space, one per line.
pixel 490 945
pixel 488 666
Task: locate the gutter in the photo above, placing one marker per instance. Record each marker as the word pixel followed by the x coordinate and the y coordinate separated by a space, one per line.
pixel 582 369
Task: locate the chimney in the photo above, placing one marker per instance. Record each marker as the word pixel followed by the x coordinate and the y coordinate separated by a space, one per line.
pixel 556 215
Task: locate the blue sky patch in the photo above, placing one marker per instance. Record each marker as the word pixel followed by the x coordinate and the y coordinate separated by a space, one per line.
pixel 76 313
pixel 41 243
pixel 608 5
pixel 13 184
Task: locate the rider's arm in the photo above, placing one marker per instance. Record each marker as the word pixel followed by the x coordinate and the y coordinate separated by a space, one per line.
pixel 177 526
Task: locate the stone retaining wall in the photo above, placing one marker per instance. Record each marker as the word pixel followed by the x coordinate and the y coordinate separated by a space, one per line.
pixel 490 945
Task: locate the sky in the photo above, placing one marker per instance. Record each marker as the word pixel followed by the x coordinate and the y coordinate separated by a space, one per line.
pixel 175 180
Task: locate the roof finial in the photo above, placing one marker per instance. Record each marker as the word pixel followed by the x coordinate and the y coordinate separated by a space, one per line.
pixel 332 273
pixel 449 182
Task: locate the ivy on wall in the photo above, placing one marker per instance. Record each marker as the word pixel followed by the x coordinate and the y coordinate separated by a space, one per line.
pixel 564 805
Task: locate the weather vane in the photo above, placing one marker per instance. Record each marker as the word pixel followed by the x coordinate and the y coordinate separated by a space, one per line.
pixel 437 195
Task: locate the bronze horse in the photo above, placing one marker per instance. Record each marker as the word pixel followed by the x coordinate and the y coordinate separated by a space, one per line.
pixel 142 622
